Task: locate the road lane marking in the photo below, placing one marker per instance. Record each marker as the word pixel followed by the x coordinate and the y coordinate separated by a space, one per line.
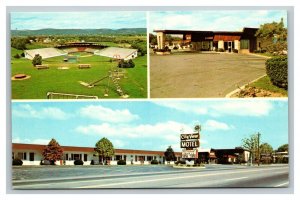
pixel 150 175
pixel 163 179
pixel 282 184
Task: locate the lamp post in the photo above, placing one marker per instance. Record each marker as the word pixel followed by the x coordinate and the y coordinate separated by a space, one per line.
pixel 258 138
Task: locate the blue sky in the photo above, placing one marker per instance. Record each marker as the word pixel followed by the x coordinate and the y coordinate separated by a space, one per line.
pixel 214 20
pixel 150 125
pixel 78 20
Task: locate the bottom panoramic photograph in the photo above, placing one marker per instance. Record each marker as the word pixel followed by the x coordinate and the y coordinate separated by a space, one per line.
pixel 150 144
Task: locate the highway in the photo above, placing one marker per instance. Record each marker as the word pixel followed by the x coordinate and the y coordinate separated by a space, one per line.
pixel 210 177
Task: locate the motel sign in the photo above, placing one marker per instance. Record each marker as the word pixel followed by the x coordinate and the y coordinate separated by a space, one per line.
pixel 190 153
pixel 190 144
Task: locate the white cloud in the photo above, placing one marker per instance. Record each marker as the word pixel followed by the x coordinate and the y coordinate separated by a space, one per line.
pixel 30 141
pixel 243 108
pixel 221 108
pixel 212 125
pixel 27 111
pixel 107 114
pixel 167 131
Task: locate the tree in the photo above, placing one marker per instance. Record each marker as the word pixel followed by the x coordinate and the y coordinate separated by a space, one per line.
pixel 273 36
pixel 266 148
pixel 251 144
pixel 37 60
pixel 52 152
pixel 19 43
pixel 104 148
pixel 283 148
pixel 169 154
pixel 152 39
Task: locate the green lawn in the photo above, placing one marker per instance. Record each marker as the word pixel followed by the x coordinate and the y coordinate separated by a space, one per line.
pixel 265 84
pixel 67 81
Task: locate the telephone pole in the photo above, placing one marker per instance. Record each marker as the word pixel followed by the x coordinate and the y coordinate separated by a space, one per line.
pixel 258 138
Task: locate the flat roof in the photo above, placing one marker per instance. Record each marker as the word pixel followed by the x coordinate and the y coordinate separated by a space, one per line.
pixel 245 29
pixel 39 147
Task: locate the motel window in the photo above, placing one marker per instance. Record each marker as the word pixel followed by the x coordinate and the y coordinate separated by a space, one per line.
pixel 149 158
pixel 22 155
pixel 66 156
pixel 76 157
pixel 118 157
pixel 244 44
pixel 85 157
pixel 31 156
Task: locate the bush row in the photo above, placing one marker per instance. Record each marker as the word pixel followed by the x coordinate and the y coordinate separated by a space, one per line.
pixel 126 64
pixel 277 70
pixel 17 162
pixel 260 51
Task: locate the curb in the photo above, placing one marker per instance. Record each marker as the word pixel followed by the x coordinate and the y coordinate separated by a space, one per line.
pixel 242 87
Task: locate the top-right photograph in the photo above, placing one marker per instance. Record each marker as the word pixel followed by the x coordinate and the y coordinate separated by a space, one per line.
pixel 218 54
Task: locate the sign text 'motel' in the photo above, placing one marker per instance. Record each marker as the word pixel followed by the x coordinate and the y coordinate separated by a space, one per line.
pixel 193 136
pixel 189 144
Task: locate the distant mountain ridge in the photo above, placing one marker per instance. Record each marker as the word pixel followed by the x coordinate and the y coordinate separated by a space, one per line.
pixel 103 31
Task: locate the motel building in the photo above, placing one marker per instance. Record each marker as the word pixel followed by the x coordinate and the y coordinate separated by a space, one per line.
pixel 243 41
pixel 31 154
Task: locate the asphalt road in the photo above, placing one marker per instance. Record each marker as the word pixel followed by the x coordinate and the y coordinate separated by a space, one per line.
pixel 210 177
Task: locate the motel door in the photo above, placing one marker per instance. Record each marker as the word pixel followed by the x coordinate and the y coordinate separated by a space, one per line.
pixel 230 46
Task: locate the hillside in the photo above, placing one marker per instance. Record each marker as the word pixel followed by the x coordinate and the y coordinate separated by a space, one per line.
pixel 123 31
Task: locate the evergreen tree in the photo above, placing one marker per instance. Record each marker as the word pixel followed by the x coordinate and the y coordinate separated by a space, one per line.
pixel 169 154
pixel 37 60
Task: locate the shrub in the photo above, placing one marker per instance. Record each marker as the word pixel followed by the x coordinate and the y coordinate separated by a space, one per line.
pixel 92 162
pixel 17 161
pixel 121 162
pixel 126 64
pixel 220 50
pixel 17 56
pixel 78 162
pixel 277 70
pixel 37 60
pixel 154 162
pixel 182 162
pixel 235 51
pixel 23 54
pixel 260 51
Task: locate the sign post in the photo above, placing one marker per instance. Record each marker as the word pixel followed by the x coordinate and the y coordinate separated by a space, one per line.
pixel 190 144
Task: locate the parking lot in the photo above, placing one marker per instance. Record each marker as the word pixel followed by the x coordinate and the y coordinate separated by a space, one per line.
pixel 192 75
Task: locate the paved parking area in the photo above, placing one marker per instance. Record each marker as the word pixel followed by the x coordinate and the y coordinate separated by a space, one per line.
pixel 194 75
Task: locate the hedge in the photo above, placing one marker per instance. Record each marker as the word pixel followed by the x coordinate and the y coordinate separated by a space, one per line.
pixel 121 162
pixel 17 161
pixel 126 64
pixel 78 162
pixel 277 70
pixel 154 162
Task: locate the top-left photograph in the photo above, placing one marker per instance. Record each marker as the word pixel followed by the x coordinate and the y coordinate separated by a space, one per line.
pixel 78 55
